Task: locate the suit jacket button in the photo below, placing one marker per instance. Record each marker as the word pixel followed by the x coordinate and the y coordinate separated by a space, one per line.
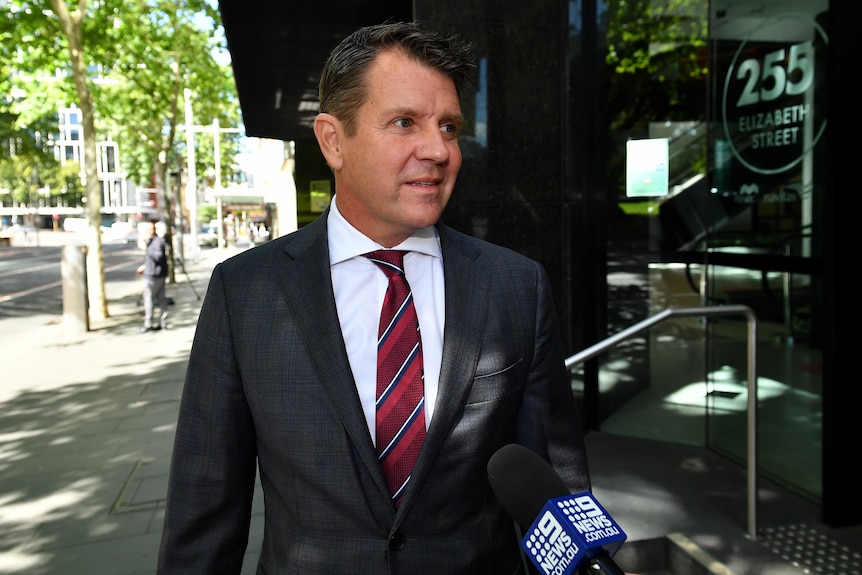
pixel 396 542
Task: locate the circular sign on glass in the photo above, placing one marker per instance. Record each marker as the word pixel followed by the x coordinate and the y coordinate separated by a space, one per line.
pixel 768 103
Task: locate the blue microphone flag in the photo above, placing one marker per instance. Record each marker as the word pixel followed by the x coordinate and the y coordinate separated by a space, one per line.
pixel 569 530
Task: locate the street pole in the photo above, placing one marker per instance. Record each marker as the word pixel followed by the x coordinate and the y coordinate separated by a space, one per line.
pixel 190 129
pixel 34 207
pixel 192 182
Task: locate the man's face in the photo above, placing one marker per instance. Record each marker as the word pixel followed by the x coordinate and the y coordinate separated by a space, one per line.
pixel 397 171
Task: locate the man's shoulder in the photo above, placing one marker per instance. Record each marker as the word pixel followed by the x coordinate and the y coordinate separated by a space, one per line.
pixel 475 247
pixel 272 253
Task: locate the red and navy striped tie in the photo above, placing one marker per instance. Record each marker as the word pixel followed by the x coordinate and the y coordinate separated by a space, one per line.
pixel 400 391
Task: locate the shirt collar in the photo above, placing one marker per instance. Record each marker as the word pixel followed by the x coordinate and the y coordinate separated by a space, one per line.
pixel 346 242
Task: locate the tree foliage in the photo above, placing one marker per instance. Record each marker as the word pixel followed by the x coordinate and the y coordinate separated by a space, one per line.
pixel 130 61
pixel 27 164
pixel 162 48
pixel 656 53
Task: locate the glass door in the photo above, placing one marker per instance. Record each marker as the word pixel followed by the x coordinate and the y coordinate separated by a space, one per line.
pixel 715 119
pixel 767 121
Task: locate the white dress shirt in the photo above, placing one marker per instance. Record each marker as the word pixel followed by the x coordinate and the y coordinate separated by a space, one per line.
pixel 358 281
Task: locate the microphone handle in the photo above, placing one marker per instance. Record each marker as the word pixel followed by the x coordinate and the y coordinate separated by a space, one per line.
pixel 601 564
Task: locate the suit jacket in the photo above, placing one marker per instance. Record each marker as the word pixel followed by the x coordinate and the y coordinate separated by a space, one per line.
pixel 269 388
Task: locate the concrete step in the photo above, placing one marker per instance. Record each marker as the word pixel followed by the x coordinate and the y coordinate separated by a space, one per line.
pixel 674 554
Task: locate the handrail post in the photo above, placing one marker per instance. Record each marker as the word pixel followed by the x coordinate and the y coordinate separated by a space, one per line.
pixel 751 446
pixel 752 425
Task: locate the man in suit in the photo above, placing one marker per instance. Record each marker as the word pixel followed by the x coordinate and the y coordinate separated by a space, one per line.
pixel 282 372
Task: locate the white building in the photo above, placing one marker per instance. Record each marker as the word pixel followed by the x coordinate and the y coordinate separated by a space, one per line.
pixel 119 196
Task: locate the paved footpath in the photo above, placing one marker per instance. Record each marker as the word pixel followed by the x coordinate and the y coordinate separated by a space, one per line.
pixel 87 429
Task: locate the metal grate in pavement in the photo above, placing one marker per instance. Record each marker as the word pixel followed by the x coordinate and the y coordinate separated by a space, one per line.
pixel 138 493
pixel 810 549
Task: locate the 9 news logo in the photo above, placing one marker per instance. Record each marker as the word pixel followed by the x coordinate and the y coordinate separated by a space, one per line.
pixel 568 529
pixel 552 548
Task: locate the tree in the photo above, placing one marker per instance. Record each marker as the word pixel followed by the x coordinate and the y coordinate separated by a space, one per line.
pixel 163 48
pixel 143 54
pixel 27 162
pixel 71 23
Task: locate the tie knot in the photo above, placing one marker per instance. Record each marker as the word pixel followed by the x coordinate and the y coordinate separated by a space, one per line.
pixel 392 261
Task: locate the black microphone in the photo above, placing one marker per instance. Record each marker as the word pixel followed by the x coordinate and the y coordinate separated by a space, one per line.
pixel 565 532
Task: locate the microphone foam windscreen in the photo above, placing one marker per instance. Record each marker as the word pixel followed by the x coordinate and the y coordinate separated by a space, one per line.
pixel 523 482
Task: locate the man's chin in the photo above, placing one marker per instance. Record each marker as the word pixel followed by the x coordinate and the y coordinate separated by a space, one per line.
pixel 424 220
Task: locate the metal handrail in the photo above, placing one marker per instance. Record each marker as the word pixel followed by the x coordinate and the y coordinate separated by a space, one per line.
pixel 613 340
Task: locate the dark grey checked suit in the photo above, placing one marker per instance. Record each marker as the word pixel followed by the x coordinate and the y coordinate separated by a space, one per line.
pixel 269 383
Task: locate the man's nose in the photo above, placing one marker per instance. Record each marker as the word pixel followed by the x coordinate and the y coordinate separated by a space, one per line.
pixel 434 146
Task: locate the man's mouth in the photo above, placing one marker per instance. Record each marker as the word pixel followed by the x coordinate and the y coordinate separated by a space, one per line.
pixel 426 183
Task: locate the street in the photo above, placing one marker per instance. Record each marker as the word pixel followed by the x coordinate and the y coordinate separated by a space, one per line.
pixel 31 279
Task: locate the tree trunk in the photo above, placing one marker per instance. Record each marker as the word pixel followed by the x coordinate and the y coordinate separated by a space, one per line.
pixel 169 207
pixel 71 24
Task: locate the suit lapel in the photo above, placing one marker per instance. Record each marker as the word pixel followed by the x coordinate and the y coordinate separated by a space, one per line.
pixel 467 286
pixel 306 285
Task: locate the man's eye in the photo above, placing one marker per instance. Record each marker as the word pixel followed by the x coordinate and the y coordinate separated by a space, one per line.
pixel 451 129
pixel 402 123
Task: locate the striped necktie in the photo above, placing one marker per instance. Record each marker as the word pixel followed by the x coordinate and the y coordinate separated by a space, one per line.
pixel 400 426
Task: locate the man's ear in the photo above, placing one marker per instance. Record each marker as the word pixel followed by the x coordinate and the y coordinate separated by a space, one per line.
pixel 327 130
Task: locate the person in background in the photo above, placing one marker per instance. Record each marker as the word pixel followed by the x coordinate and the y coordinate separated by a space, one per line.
pixel 155 272
pixel 282 378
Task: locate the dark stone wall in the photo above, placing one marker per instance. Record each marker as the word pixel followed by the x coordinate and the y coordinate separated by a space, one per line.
pixel 514 186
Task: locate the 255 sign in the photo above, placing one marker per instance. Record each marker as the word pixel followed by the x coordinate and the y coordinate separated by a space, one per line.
pixel 768 104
